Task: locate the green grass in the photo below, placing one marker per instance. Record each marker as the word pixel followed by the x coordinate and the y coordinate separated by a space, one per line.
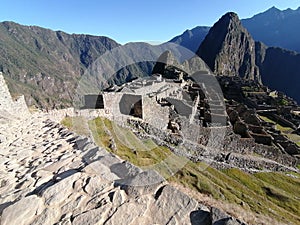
pixel 287 131
pixel 283 102
pixel 294 137
pixel 283 129
pixel 128 138
pixel 101 137
pixel 277 126
pixel 275 195
pixel 77 124
pixel 142 153
pixel 266 119
pixel 272 194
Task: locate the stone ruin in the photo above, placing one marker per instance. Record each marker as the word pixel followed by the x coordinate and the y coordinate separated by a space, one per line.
pixel 254 100
pixel 201 125
pixel 153 99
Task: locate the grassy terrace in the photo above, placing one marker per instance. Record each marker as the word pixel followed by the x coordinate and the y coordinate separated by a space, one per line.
pixel 287 131
pixel 275 195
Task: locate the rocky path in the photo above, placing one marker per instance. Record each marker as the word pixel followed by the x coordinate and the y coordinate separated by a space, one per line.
pixel 50 175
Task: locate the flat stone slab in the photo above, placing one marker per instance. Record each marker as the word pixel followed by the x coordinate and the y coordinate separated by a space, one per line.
pixel 23 211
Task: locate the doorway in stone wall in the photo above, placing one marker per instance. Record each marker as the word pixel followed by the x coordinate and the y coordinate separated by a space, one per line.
pixel 131 105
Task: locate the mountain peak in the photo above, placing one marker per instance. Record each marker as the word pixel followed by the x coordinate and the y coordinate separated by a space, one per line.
pixel 231 15
pixel 273 8
pixel 220 47
pixel 228 18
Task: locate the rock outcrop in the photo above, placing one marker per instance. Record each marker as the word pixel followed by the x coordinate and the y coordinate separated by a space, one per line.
pixel 168 66
pixel 228 49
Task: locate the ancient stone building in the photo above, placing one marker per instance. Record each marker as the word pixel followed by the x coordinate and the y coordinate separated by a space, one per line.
pixel 138 99
pixel 153 98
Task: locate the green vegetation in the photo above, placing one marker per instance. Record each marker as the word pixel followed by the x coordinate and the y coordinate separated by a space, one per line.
pixel 283 129
pixel 294 137
pixel 272 194
pixel 142 153
pixel 252 89
pixel 77 124
pixel 283 102
pixel 279 127
pixel 287 131
pixel 267 119
pixel 39 54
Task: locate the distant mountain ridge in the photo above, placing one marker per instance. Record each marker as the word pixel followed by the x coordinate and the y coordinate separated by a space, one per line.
pixel 279 70
pixel 191 39
pixel 228 49
pixel 46 65
pixel 276 28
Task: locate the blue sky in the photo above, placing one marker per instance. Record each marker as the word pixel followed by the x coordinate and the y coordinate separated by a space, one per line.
pixel 131 20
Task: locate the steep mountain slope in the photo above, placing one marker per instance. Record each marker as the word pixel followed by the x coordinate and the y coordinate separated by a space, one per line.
pixel 49 66
pixel 276 28
pixel 45 65
pixel 279 70
pixel 191 39
pixel 228 49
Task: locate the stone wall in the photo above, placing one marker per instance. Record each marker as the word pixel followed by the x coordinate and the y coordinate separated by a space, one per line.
pixel 58 114
pixel 111 104
pixel 155 114
pixel 112 108
pixel 17 107
pixel 234 143
pixel 214 144
pixel 154 87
